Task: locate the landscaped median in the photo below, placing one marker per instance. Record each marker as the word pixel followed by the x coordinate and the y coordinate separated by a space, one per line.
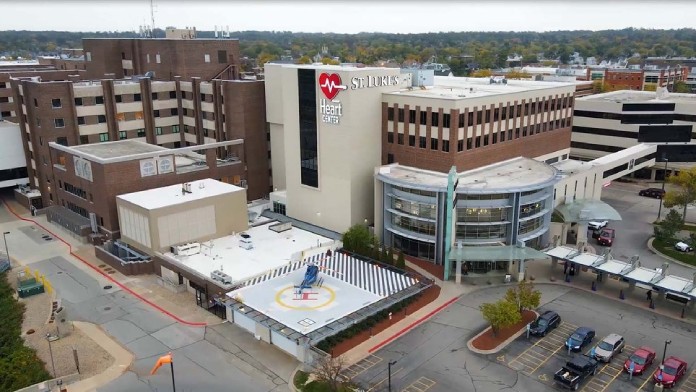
pixel 666 248
pixel 508 318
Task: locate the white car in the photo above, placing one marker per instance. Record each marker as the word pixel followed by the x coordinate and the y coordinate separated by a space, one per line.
pixel 597 225
pixel 683 247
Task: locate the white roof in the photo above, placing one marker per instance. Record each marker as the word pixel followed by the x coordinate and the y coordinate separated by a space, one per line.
pixel 673 283
pixel 172 195
pixel 642 274
pixel 271 250
pixel 561 252
pixel 587 259
pixel 613 266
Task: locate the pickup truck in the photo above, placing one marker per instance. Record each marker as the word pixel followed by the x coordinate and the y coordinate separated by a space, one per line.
pixel 575 372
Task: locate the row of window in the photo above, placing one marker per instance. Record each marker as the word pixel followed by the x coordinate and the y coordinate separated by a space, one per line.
pixel 57 103
pixel 482 214
pixel 481 141
pixel 79 192
pixel 414 225
pixel 496 114
pixel 422 210
pixel 412 191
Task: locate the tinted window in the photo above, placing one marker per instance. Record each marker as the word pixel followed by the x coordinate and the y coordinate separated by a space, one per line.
pixel 664 133
pixel 670 370
pixel 648 107
pixel 637 359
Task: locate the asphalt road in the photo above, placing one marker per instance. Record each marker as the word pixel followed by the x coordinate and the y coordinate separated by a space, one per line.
pixel 634 230
pixel 433 357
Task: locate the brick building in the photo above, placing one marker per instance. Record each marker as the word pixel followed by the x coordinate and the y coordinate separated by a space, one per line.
pixel 166 113
pixel 648 78
pixel 166 58
pixel 86 179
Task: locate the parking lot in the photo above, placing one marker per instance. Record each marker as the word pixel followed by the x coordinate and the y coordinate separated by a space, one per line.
pixel 434 357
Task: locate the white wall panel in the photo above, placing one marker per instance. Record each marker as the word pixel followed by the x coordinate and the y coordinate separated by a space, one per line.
pixel 134 226
pixel 186 226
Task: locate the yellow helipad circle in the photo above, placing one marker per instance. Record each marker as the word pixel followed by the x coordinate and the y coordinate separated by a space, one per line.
pixel 321 296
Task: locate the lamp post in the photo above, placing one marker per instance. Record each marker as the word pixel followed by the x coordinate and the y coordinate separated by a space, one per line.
pixel 664 179
pixel 7 252
pixel 50 350
pixel 391 363
pixel 664 353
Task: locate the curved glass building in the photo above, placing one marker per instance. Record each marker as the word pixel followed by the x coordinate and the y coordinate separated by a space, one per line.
pixel 499 205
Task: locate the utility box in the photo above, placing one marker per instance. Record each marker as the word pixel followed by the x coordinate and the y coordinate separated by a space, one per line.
pixel 28 286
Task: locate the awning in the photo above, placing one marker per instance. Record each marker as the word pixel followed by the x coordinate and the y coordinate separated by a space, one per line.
pixel 497 253
pixel 587 210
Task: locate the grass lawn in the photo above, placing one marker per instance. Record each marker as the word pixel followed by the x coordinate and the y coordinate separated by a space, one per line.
pixel 667 248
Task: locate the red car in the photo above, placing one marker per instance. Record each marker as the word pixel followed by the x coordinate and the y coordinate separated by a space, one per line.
pixel 674 370
pixel 606 238
pixel 642 358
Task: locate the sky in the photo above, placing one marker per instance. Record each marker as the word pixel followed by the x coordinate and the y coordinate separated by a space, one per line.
pixel 348 16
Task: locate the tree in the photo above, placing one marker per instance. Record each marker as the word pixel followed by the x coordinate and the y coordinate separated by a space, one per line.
pixel 401 261
pixel 524 295
pixel 500 314
pixel 685 192
pixel 390 256
pixel 598 86
pixel 329 370
pixel 385 255
pixel 482 73
pixel 681 87
pixel 357 239
pixel 518 75
pixel 304 60
pixel 668 228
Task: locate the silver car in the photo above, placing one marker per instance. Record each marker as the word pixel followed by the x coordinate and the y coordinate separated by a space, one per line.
pixel 608 347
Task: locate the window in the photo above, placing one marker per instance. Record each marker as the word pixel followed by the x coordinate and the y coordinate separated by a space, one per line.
pixel 63 141
pixel 175 112
pixel 222 56
pixel 390 137
pixel 5 114
pixel 412 116
pixel 390 158
pixel 401 115
pixel 101 119
pixel 445 145
pixel 141 132
pixel 119 98
pixel 103 137
pixel 433 143
pixel 412 140
pixel 3 85
pixel 172 95
pixel 80 121
pixel 423 118
pixel 84 139
pixel 157 58
pixel 36 103
pixel 390 114
pixel 38 122
pixel 59 122
pixel 137 98
pixel 206 58
pixel 156 113
pixel 55 103
pixel 154 96
pixel 99 100
pixel 78 101
pixel 147 58
pixel 400 138
pixel 423 142
pixel 175 129
pixel 435 119
pixel 122 135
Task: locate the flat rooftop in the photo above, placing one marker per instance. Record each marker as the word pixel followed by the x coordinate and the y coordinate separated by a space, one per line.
pixel 347 285
pixel 271 250
pixel 152 199
pixel 632 96
pixel 499 177
pixel 460 88
pixel 117 149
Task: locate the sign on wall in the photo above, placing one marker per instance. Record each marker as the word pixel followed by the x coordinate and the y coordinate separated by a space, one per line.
pixel 331 109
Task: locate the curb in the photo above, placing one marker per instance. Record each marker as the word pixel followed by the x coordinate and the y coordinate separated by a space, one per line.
pixel 664 256
pixel 502 345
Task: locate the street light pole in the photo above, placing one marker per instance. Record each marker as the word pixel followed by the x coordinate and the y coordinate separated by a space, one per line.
pixel 664 180
pixel 7 252
pixel 391 363
pixel 664 353
pixel 50 350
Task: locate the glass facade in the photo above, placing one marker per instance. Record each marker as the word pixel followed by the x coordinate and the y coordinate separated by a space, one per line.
pixel 415 248
pixel 307 92
pixel 422 210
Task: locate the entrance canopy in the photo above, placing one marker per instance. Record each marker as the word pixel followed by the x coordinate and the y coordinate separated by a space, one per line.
pixel 587 210
pixel 496 253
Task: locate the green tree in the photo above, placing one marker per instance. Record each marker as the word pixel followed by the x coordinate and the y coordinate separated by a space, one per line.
pixel 390 256
pixel 668 228
pixel 683 193
pixel 524 295
pixel 482 73
pixel 500 314
pixel 385 255
pixel 401 261
pixel 358 239
pixel 681 87
pixel 304 60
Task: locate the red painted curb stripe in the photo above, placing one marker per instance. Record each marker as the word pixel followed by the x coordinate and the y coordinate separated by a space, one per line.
pixel 193 324
pixel 412 325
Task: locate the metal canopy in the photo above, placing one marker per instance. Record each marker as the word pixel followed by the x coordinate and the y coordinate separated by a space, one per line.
pixel 497 253
pixel 587 210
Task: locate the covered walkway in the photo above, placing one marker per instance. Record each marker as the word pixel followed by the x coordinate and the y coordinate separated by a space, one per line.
pixel 677 288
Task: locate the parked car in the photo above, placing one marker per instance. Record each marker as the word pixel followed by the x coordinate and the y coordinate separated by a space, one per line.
pixel 580 338
pixel 597 225
pixel 608 347
pixel 575 372
pixel 642 358
pixel 683 247
pixel 545 323
pixel 652 192
pixel 606 237
pixel 596 234
pixel 671 372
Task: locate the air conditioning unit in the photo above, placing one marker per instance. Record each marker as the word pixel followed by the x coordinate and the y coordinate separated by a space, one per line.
pixel 189 249
pixel 245 242
pixel 221 277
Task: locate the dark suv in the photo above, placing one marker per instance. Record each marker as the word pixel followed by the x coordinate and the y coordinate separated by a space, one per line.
pixel 545 323
pixel 652 192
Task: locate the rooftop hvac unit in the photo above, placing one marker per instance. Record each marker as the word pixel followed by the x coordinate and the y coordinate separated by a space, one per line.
pixel 221 277
pixel 245 241
pixel 189 249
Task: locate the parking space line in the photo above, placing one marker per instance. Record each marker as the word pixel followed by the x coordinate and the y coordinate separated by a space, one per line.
pixel 374 387
pixel 420 385
pixel 360 367
pixel 689 385
pixel 532 359
pixel 640 388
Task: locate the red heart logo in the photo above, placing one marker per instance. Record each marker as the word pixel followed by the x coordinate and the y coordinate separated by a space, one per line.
pixel 330 84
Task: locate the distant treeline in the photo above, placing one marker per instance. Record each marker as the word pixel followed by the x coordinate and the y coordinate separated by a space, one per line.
pixel 489 49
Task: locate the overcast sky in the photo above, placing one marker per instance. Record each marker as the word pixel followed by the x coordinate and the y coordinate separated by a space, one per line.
pixel 349 16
